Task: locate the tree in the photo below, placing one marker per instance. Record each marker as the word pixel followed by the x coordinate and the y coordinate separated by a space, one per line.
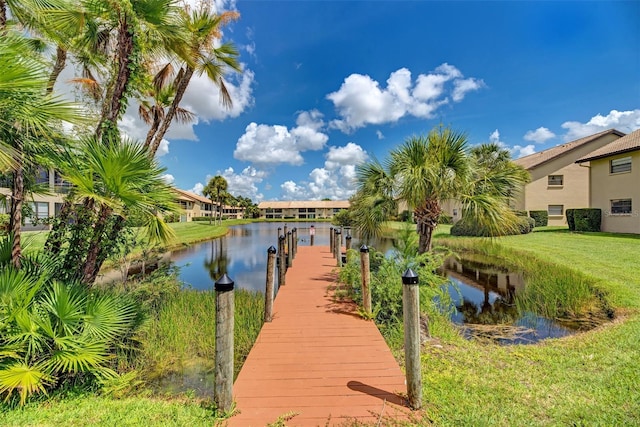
pixel 216 189
pixel 426 171
pixel 29 118
pixel 201 57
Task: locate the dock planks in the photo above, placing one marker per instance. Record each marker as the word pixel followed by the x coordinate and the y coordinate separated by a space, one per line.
pixel 318 359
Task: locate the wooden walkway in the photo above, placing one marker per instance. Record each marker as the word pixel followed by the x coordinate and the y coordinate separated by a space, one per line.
pixel 318 359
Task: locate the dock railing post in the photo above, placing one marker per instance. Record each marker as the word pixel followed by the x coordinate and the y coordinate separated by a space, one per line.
pixel 268 292
pixel 294 241
pixel 282 262
pixel 365 273
pixel 289 250
pixel 411 318
pixel 331 239
pixel 223 389
pixel 348 242
pixel 338 246
pixel 312 234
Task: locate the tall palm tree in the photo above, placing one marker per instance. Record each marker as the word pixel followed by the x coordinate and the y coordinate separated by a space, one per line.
pixel 202 57
pixel 216 189
pixel 426 171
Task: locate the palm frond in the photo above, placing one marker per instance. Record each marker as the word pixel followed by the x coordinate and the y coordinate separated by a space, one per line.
pixel 25 379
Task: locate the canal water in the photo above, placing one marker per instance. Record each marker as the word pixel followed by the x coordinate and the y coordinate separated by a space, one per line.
pixel 482 293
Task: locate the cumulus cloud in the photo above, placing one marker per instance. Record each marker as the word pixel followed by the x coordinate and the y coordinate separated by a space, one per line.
pixel 361 101
pixel 516 151
pixel 244 183
pixel 539 135
pixel 274 144
pixel 379 134
pixel 197 188
pixel 168 178
pixel 625 121
pixel 336 180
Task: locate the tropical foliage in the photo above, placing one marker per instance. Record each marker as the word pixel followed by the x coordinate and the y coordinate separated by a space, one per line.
pixel 426 171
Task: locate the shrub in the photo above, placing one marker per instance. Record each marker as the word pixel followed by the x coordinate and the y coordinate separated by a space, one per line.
pixel 520 213
pixel 465 227
pixel 541 218
pixel 588 219
pixel 405 216
pixel 4 223
pixel 203 218
pixel 570 221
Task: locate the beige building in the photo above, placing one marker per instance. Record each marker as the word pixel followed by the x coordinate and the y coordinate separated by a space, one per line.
pixel 194 206
pixel 557 182
pixel 309 209
pixel 614 176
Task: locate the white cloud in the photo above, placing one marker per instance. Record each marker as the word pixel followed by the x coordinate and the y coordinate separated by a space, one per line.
pixel 163 148
pixel 336 180
pixel 361 100
pixel 197 188
pixel 516 151
pixel 625 121
pixel 539 135
pixel 168 178
pixel 275 144
pixel 379 134
pixel 245 183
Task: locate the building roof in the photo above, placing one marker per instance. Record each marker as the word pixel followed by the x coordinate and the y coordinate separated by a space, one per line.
pixel 625 144
pixel 188 195
pixel 536 159
pixel 297 204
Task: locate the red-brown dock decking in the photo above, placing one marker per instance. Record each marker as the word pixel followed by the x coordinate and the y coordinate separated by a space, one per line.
pixel 317 358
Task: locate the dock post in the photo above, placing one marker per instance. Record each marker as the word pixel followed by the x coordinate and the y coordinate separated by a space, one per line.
pixel 411 318
pixel 282 266
pixel 348 242
pixel 289 250
pixel 294 241
pixel 268 292
pixel 312 234
pixel 331 238
pixel 223 389
pixel 365 273
pixel 337 244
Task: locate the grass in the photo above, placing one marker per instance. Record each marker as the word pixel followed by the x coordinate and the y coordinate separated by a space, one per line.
pixel 591 378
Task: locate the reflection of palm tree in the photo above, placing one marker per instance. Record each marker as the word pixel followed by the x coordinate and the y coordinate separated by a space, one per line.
pixel 500 312
pixel 219 261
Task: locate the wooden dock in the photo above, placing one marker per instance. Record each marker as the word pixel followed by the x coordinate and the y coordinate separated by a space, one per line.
pixel 318 362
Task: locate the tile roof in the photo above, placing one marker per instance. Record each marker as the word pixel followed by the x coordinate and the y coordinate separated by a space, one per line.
pixel 319 204
pixel 193 196
pixel 536 159
pixel 625 144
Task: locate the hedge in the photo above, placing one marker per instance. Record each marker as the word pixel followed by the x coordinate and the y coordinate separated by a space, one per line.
pixel 541 218
pixel 467 228
pixel 570 221
pixel 588 219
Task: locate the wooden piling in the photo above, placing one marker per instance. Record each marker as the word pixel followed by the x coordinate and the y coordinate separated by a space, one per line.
pixel 337 242
pixel 331 241
pixel 282 266
pixel 365 273
pixel 312 235
pixel 268 293
pixel 411 318
pixel 348 242
pixel 289 250
pixel 223 388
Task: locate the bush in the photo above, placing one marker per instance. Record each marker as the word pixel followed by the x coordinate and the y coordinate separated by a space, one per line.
pixel 570 221
pixel 541 218
pixel 4 223
pixel 405 216
pixel 520 213
pixel 588 219
pixel 464 227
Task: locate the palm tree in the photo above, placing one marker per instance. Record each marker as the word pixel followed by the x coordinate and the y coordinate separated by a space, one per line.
pixel 203 57
pixel 426 171
pixel 111 181
pixel 29 117
pixel 216 189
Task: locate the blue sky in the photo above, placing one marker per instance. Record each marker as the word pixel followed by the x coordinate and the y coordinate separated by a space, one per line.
pixel 329 84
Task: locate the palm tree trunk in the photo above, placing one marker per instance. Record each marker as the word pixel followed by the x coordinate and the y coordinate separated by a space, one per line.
pixel 90 269
pixel 152 131
pixel 3 16
pixel 114 102
pixel 427 217
pixel 58 66
pixel 181 88
pixel 15 222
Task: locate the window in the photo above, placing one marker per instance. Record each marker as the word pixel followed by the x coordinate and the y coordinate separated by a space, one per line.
pixel 43 176
pixel 557 210
pixel 61 186
pixel 40 211
pixel 621 206
pixel 620 165
pixel 555 180
pixel 302 210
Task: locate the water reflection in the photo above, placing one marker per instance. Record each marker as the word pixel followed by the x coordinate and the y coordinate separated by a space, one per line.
pixel 485 294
